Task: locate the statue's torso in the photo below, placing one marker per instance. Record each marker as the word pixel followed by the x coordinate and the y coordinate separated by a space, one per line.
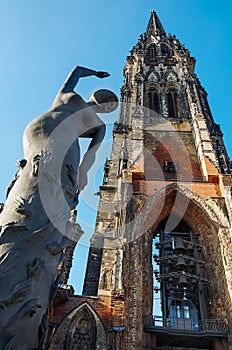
pixel 51 143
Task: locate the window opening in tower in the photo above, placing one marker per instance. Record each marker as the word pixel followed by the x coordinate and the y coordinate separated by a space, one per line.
pixel 172 104
pixel 153 101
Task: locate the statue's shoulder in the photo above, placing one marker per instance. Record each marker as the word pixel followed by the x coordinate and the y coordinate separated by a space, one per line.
pixel 69 98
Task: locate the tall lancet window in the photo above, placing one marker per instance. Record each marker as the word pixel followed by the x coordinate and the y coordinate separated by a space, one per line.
pixel 153 100
pixel 172 100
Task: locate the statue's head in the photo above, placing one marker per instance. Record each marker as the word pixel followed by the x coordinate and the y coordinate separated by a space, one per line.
pixel 103 101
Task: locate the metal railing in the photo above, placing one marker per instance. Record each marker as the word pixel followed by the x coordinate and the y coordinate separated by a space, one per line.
pixel 186 324
pixel 212 325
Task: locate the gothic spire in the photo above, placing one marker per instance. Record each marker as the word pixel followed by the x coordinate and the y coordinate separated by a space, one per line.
pixel 155 27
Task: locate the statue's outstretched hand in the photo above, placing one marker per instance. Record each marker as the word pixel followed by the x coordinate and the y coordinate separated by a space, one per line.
pixel 102 74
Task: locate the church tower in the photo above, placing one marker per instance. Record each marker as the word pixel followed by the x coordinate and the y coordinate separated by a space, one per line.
pixel 160 257
pixel 159 271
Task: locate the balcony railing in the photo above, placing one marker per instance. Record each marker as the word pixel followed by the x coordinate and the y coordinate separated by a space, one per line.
pixel 185 324
pixel 212 325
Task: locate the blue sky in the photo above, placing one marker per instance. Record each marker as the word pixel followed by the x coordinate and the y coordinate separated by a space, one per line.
pixel 41 41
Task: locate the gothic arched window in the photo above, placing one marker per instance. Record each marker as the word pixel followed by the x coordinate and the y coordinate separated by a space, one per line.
pixel 172 99
pixel 153 100
pixel 83 331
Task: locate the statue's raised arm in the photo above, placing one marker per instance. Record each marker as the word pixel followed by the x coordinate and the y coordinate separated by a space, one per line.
pixel 77 73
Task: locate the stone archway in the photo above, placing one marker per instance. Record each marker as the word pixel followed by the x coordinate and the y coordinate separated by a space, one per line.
pixel 82 329
pixel 81 334
pixel 180 200
pixel 207 219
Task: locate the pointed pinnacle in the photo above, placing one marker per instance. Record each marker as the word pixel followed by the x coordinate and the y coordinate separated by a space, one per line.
pixel 155 27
